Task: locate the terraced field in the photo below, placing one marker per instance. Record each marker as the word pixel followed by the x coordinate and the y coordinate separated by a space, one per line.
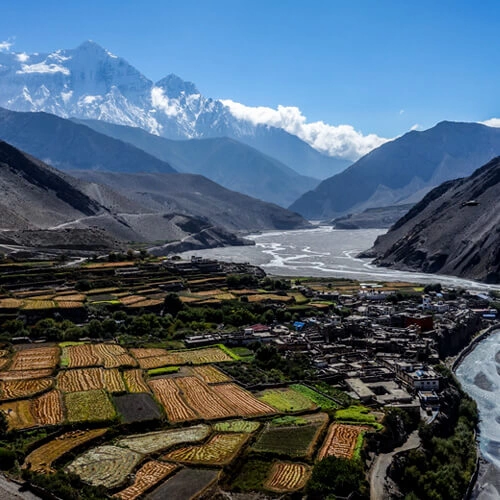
pixel 219 450
pixel 106 355
pixel 150 474
pixel 16 389
pixel 134 380
pixel 137 407
pixel 47 409
pixel 88 406
pixel 292 440
pixel 106 465
pixel 41 459
pixel 246 426
pixel 19 415
pixel 210 374
pixel 287 400
pixel 168 394
pixel 88 379
pixel 35 359
pixel 152 442
pixel 243 403
pixel 341 440
pixel 287 477
pixel 25 374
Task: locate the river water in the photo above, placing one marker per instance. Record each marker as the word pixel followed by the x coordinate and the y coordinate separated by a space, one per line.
pixel 479 374
pixel 323 252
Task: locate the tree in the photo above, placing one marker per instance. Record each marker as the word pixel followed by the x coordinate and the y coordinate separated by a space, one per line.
pixel 336 476
pixel 172 304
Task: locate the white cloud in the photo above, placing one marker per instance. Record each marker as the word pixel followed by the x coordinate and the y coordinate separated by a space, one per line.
pixel 161 101
pixel 43 67
pixel 415 127
pixel 492 122
pixel 5 45
pixel 22 57
pixel 340 140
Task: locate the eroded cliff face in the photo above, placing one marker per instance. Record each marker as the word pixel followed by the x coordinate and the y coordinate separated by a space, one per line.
pixel 454 230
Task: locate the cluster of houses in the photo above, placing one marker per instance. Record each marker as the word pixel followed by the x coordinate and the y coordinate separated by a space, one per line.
pixel 384 352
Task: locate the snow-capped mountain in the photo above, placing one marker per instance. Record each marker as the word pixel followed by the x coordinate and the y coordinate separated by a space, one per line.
pixel 89 82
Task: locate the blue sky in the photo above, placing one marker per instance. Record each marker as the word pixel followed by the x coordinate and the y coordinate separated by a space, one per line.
pixel 380 66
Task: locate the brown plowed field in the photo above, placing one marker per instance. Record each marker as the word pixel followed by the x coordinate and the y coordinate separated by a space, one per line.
pixel 210 375
pixel 88 379
pixel 142 352
pixel 243 403
pixel 107 355
pixel 169 395
pixel 14 389
pixel 156 362
pixel 341 440
pixel 41 459
pixel 285 476
pixel 19 414
pixel 25 375
pixel 204 355
pixel 146 477
pixel 47 409
pixel 135 381
pixel 35 359
pixel 80 356
pixel 201 397
pixel 219 450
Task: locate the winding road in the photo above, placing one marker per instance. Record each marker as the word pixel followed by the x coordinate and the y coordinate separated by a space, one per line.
pixel 379 468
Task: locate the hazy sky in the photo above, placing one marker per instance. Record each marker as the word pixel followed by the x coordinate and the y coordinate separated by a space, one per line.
pixel 381 66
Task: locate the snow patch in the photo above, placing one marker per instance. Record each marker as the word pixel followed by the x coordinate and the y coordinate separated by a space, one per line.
pixel 66 96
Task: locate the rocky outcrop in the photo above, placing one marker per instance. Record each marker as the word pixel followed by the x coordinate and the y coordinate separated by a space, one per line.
pixel 454 230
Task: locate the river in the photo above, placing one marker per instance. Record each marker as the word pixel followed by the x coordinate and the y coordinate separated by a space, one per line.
pixel 323 252
pixel 479 374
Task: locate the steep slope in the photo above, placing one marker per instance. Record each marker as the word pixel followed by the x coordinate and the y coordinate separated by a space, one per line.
pixel 195 195
pixel 67 145
pixel 91 83
pixel 228 162
pixel 453 230
pixel 403 170
pixel 34 195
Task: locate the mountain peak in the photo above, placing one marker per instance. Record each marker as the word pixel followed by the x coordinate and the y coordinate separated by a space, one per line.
pixel 173 86
pixel 90 46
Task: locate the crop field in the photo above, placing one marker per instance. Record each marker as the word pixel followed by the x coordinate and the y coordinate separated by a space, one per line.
pixel 35 359
pixel 87 379
pixel 137 408
pixel 150 474
pixel 15 389
pixel 134 380
pixel 204 356
pixel 286 477
pixel 19 415
pixel 69 304
pixel 9 303
pixel 88 406
pixel 131 299
pixel 157 362
pixel 152 442
pixel 202 398
pixel 70 297
pixel 142 352
pixel 341 440
pixel 47 409
pixel 246 426
pixel 322 401
pixel 106 465
pixel 287 400
pixel 39 304
pixel 107 355
pixel 293 440
pixel 169 395
pixel 219 450
pixel 187 483
pixel 210 375
pixel 243 403
pixel 25 374
pixel 41 459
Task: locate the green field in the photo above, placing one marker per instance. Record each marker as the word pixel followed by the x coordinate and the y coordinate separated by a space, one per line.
pixel 359 414
pixel 322 401
pixel 252 476
pixel 236 426
pixel 287 400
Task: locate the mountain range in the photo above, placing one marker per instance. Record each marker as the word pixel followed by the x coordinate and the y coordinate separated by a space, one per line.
pixel 453 230
pixel 174 209
pixel 404 170
pixel 91 83
pixel 68 145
